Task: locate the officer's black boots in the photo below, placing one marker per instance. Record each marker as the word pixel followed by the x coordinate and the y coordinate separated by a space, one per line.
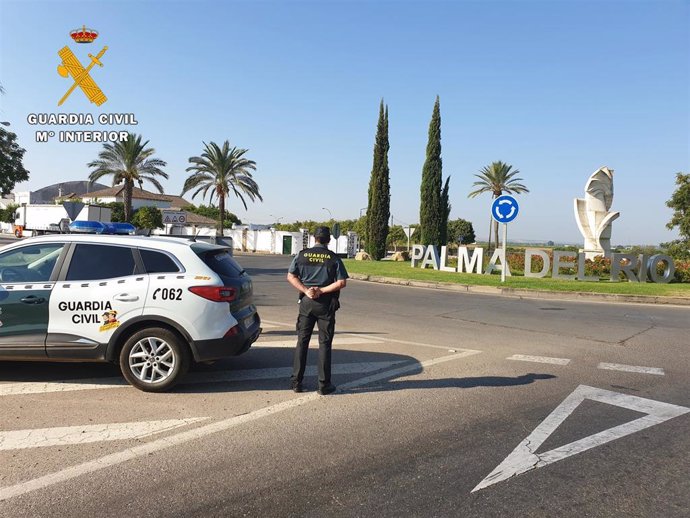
pixel 329 388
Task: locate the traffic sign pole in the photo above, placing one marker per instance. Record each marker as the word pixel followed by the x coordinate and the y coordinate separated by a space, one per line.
pixel 504 210
pixel 505 253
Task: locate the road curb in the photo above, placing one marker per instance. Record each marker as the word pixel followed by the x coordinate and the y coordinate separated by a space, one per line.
pixel 525 293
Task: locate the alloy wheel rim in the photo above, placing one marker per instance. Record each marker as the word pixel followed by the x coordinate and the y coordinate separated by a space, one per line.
pixel 152 360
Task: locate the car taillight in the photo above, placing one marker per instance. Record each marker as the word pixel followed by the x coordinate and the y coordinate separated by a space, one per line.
pixel 215 293
pixel 233 331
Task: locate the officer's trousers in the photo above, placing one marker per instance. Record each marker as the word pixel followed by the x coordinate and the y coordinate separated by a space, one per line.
pixel 321 313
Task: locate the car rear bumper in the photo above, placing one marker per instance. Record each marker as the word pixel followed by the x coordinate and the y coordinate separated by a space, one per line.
pixel 206 350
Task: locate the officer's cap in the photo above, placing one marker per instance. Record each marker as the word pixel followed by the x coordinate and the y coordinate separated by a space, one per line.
pixel 323 233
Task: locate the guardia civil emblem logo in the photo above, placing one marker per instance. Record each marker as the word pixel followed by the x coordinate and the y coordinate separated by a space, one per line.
pixel 72 67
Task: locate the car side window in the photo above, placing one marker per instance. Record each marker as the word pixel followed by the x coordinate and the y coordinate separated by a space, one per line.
pixel 158 262
pixel 33 263
pixel 96 262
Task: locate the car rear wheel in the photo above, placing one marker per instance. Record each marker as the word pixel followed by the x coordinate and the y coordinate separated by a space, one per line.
pixel 154 359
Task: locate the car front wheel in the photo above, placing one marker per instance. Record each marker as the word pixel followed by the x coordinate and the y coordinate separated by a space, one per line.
pixel 154 359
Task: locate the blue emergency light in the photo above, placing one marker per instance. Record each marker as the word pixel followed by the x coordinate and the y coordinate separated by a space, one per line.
pixel 120 228
pixel 97 227
pixel 87 227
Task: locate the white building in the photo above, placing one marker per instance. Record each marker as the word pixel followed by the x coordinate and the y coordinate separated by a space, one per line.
pixel 140 198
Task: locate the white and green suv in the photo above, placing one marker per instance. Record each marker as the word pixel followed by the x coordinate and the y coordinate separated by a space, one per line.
pixel 151 304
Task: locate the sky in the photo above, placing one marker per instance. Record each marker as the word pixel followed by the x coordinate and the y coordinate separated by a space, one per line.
pixel 555 88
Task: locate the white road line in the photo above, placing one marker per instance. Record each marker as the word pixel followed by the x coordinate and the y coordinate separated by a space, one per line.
pixel 407 368
pixel 631 368
pixel 539 359
pixel 200 432
pixel 338 341
pixel 523 458
pixel 15 389
pixel 277 324
pixel 38 387
pixel 407 342
pixel 378 338
pixel 266 325
pixel 66 435
pixel 285 372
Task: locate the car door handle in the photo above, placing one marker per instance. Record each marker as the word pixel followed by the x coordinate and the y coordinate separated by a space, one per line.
pixel 33 299
pixel 126 297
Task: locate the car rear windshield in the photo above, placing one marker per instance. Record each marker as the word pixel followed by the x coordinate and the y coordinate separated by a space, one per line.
pixel 221 262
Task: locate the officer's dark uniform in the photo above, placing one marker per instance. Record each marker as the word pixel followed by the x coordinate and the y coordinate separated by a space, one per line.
pixel 316 267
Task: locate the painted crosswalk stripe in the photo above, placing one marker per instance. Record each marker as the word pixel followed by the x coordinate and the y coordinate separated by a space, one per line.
pixel 203 431
pixel 338 341
pixel 66 435
pixel 15 389
pixel 539 359
pixel 631 368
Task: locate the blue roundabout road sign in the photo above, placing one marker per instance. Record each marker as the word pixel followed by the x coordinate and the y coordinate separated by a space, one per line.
pixel 505 209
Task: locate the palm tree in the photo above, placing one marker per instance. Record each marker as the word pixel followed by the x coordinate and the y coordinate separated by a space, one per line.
pixel 497 178
pixel 220 171
pixel 129 161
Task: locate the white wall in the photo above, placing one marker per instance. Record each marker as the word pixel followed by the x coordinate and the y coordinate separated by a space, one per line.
pixel 265 241
pixel 137 203
pixel 107 199
pixel 296 242
pixel 180 230
pixel 269 241
pixel 342 244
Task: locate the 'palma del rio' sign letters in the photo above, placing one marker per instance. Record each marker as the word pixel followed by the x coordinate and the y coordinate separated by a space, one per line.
pixel 636 268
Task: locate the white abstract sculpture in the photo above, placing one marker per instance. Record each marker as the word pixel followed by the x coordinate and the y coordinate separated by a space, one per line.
pixel 593 216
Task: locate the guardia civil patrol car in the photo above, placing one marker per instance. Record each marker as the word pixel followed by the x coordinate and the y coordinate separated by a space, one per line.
pixel 151 304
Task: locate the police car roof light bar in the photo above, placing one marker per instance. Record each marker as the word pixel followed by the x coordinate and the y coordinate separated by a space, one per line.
pixel 98 227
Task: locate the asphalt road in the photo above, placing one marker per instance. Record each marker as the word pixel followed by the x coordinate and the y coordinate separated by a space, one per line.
pixel 445 407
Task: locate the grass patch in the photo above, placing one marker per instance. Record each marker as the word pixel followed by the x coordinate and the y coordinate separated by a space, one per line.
pixel 403 270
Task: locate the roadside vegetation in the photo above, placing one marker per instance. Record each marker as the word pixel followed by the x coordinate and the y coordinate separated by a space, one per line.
pixel 402 270
pixel 219 171
pixel 128 162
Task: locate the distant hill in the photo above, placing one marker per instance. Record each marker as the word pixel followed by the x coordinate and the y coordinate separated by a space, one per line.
pixel 79 188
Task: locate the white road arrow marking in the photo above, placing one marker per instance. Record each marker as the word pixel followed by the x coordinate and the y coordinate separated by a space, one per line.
pixel 15 389
pixel 524 459
pixel 66 435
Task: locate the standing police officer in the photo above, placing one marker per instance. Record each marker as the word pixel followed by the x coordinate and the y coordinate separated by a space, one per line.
pixel 319 275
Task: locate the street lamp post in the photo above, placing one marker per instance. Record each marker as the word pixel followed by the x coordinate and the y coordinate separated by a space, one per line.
pixel 329 212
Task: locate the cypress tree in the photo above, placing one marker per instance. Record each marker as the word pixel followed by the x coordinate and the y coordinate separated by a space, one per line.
pixel 431 209
pixel 378 210
pixel 445 205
